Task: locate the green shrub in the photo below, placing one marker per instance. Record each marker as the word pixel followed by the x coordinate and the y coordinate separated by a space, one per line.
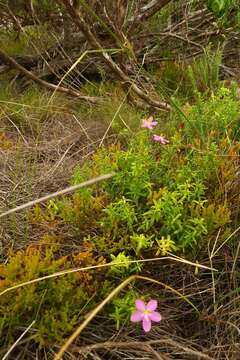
pixel 151 201
pixel 212 118
pixel 55 304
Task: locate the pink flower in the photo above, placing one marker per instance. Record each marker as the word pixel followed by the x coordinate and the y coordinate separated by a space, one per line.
pixel 146 313
pixel 148 123
pixel 162 140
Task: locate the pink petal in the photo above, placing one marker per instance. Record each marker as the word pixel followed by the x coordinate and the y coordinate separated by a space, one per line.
pixel 148 123
pixel 160 139
pixel 137 316
pixel 144 124
pixel 152 305
pixel 156 137
pixel 140 305
pixel 146 325
pixel 155 316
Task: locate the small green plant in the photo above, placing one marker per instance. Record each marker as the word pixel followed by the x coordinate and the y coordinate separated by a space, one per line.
pixel 122 308
pixel 141 242
pixel 134 164
pixel 165 246
pixel 119 213
pixel 123 266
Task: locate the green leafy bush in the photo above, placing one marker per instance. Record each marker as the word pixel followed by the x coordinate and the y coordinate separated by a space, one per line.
pixel 151 203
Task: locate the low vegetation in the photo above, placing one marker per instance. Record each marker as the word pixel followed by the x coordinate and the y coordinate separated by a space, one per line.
pixel 164 226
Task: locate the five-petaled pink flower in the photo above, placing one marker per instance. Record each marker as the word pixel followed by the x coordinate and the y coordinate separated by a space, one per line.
pixel 148 123
pixel 146 313
pixel 162 140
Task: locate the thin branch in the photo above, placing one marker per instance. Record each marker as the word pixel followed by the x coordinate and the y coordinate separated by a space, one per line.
pixel 149 10
pixel 84 27
pixel 8 60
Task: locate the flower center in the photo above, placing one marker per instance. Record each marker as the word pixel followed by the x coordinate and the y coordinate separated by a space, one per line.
pixel 146 312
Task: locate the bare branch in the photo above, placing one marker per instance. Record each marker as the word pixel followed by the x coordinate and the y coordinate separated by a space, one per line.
pixel 8 60
pixel 84 27
pixel 149 10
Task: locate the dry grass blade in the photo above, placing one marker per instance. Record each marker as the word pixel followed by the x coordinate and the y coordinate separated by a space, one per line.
pixel 17 341
pixel 58 193
pixel 71 271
